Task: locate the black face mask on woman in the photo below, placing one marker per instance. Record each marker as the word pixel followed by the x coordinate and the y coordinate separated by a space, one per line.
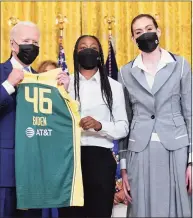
pixel 148 42
pixel 27 53
pixel 88 58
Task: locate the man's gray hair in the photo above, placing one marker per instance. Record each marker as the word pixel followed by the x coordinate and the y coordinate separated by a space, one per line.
pixel 20 24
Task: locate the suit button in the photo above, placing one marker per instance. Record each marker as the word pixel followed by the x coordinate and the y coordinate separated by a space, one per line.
pixel 152 117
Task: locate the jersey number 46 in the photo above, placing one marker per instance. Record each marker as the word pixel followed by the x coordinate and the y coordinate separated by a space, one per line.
pixel 40 103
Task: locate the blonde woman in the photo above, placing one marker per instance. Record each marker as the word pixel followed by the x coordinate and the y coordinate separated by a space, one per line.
pixel 46 66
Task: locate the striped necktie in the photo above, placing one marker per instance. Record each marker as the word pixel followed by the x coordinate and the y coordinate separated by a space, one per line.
pixel 27 69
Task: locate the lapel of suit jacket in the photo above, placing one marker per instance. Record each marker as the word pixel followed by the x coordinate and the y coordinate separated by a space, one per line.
pixel 8 67
pixel 140 77
pixel 162 76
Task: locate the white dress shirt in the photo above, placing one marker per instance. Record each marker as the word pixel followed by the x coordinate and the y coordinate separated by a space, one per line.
pixel 8 87
pixel 93 105
pixel 164 60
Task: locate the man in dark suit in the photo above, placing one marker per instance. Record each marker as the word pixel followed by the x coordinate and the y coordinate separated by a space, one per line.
pixel 24 40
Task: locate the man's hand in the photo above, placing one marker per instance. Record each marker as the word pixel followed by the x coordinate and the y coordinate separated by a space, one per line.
pixel 90 123
pixel 189 178
pixel 15 77
pixel 63 79
pixel 126 186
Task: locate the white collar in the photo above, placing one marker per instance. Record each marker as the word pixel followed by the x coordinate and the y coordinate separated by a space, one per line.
pixel 95 77
pixel 165 59
pixel 18 65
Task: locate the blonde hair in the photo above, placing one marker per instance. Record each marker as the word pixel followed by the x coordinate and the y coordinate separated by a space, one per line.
pixel 44 64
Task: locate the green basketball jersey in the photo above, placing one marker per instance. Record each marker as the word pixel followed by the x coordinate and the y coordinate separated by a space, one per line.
pixel 48 169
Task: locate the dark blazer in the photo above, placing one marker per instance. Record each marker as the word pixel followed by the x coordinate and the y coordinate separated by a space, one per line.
pixel 7 129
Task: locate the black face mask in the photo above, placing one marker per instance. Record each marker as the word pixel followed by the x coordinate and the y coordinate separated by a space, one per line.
pixel 88 58
pixel 148 42
pixel 27 53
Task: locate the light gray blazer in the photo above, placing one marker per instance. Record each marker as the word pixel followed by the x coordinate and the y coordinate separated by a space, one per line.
pixel 166 109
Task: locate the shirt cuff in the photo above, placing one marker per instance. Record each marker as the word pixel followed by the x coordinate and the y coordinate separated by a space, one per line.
pixel 123 164
pixel 104 129
pixel 190 157
pixel 8 87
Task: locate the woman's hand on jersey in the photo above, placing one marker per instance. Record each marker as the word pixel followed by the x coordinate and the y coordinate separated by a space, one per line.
pixel 63 79
pixel 90 123
pixel 126 186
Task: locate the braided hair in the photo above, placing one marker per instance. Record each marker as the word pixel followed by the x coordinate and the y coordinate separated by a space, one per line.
pixel 105 84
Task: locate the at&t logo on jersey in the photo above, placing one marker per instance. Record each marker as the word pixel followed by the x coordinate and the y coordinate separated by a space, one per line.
pixel 30 132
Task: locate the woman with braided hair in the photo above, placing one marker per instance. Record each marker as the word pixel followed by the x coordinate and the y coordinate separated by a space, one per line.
pixel 103 119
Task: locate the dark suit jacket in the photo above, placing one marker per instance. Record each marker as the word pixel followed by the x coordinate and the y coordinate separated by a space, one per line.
pixel 7 130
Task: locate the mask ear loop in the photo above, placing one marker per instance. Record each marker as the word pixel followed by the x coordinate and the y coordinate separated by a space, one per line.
pixel 12 44
pixel 15 42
